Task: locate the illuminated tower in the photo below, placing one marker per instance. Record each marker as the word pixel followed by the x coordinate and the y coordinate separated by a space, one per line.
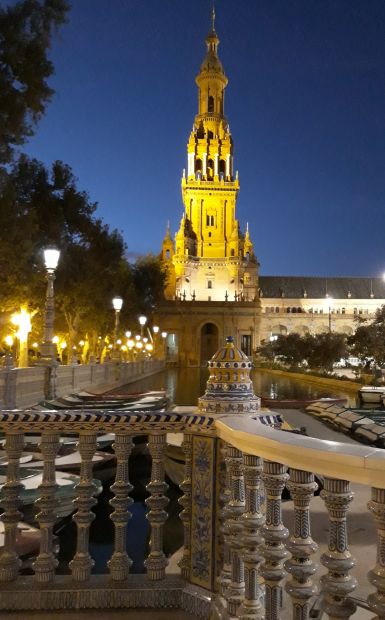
pixel 212 286
pixel 212 259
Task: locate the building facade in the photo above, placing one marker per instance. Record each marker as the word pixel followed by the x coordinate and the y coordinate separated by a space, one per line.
pixel 214 289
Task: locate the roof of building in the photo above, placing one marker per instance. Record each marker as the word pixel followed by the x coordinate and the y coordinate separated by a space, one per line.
pixel 319 287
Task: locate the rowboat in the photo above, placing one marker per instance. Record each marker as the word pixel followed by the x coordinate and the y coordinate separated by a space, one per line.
pixel 371 395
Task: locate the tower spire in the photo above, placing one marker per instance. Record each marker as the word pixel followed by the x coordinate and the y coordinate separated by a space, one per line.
pixel 213 17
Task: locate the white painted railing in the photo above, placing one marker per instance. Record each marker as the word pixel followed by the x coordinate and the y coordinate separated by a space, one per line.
pixel 237 550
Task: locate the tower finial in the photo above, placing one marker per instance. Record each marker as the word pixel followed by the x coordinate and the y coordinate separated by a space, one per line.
pixel 213 17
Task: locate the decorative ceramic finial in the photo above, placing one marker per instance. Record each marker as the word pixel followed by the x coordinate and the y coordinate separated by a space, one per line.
pixel 229 388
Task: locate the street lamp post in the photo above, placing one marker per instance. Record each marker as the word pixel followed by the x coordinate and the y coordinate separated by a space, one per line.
pixel 155 330
pixel 142 323
pixel 164 336
pixel 48 351
pixel 117 303
pixel 330 308
pixel 48 347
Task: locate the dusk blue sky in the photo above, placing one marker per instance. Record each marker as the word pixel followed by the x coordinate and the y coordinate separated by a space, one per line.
pixel 305 102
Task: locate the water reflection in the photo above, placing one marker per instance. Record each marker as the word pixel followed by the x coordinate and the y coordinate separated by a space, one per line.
pixel 185 385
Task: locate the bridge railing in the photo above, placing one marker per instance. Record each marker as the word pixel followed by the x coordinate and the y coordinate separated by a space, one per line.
pixel 23 387
pixel 238 555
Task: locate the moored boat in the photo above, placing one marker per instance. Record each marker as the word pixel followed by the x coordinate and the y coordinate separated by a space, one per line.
pixel 369 394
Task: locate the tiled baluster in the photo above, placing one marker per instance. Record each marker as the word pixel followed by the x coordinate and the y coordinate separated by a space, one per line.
pixel 337 583
pixel 376 576
pixel 301 545
pixel 185 501
pixel 156 562
pixel 120 563
pixel 82 563
pixel 252 520
pixel 274 477
pixel 235 510
pixel 9 560
pixel 225 576
pixel 46 562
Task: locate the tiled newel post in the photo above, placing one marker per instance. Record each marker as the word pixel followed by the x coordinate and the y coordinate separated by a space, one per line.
pixel 217 506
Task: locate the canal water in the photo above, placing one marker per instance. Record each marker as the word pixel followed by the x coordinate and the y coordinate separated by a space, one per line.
pixel 184 387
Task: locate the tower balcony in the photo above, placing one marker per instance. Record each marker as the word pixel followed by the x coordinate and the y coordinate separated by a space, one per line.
pixel 216 184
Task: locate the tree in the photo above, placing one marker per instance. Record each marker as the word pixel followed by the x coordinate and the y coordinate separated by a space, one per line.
pixel 150 277
pixel 291 349
pixel 320 351
pixel 324 350
pixel 26 30
pixel 38 207
pixel 368 341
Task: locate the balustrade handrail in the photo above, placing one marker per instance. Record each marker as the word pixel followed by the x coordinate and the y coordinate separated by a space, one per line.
pixel 102 420
pixel 362 464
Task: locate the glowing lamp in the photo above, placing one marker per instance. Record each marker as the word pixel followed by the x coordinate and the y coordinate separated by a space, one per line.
pixel 55 339
pixel 155 329
pixel 137 337
pixel 145 340
pixel 149 347
pixel 51 258
pixel 130 344
pixel 128 334
pixel 119 341
pixel 142 320
pixel 164 334
pixel 117 303
pixel 139 345
pixel 8 341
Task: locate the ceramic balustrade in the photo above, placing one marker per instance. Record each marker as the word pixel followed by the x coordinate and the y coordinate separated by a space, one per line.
pixel 237 553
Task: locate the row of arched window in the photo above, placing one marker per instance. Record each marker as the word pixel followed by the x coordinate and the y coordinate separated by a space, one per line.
pixel 297 309
pixel 210 168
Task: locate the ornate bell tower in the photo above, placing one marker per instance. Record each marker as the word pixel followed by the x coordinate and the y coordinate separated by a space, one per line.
pixel 212 259
pixel 211 263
